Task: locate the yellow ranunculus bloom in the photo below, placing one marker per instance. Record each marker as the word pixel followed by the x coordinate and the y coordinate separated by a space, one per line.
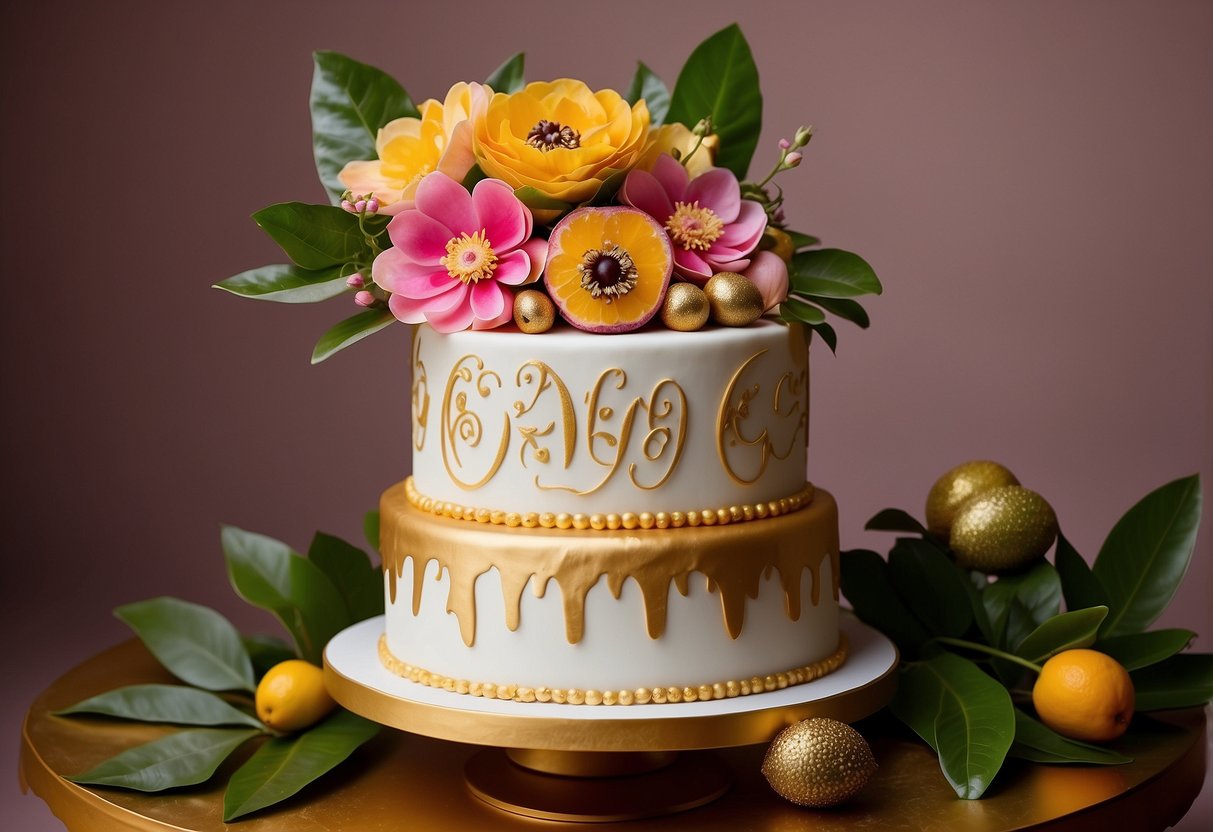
pixel 409 148
pixel 679 137
pixel 560 138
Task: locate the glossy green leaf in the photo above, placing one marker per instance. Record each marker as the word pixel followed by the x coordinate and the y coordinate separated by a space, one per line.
pixel 163 703
pixel 370 529
pixel 869 589
pixel 894 520
pixel 537 200
pixel 931 586
pixel 1040 744
pixel 720 81
pixel 965 715
pixel 801 241
pixel 267 574
pixel 848 310
pixel 350 101
pixel 267 651
pixel 185 758
pixel 1146 555
pixel 194 643
pixel 797 309
pixel 1079 585
pixel 315 237
pixel 510 76
pixel 974 587
pixel 827 334
pixel 284 765
pixel 286 284
pixel 832 273
pixel 1018 604
pixel 474 175
pixel 1138 650
pixel 350 331
pixel 1066 631
pixel 653 90
pixel 1182 681
pixel 348 567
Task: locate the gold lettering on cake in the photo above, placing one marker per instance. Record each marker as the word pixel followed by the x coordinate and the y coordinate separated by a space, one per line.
pixel 665 418
pixel 544 378
pixel 421 395
pixel 737 404
pixel 461 426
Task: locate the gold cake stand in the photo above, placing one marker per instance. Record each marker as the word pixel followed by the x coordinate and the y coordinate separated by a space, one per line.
pixel 602 763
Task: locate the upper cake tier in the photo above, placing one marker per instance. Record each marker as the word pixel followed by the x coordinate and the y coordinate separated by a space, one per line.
pixel 585 431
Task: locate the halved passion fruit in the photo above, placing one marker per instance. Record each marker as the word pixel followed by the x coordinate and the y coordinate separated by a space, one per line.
pixel 608 268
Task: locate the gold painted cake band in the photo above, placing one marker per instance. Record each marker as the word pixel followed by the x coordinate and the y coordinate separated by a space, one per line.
pixel 637 696
pixel 599 522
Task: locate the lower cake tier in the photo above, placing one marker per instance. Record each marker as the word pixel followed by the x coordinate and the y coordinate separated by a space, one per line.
pixel 635 615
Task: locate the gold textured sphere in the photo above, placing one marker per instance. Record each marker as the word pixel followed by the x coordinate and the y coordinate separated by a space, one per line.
pixel 534 311
pixel 685 307
pixel 963 482
pixel 733 299
pixel 1003 529
pixel 819 762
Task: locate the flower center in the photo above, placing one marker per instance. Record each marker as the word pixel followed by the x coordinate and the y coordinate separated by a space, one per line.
pixel 693 227
pixel 549 135
pixel 469 258
pixel 607 271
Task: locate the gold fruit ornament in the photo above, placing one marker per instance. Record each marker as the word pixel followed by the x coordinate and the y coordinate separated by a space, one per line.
pixel 777 241
pixel 818 762
pixel 1003 529
pixel 734 300
pixel 292 696
pixel 1084 695
pixel 534 311
pixel 963 482
pixel 685 307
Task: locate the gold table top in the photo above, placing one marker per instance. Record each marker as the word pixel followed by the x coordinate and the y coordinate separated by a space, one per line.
pixel 404 781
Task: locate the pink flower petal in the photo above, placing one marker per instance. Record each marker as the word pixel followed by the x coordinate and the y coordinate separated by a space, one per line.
pixel 513 269
pixel 717 189
pixel 745 231
pixel 399 275
pixel 455 318
pixel 672 176
pixel 505 220
pixel 420 238
pixel 416 310
pixel 441 198
pixel 506 316
pixel 488 299
pixel 537 250
pixel 769 273
pixel 643 192
pixel 691 266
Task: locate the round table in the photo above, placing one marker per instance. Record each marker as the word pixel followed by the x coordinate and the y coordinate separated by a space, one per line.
pixel 404 781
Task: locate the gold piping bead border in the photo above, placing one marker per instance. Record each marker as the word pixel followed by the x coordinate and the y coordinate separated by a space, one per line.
pixel 599 522
pixel 636 696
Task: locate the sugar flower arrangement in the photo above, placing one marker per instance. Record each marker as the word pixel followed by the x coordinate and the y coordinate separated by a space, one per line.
pixel 514 202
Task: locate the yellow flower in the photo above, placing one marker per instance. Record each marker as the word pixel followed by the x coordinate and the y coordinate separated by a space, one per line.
pixel 560 138
pixel 409 148
pixel 679 137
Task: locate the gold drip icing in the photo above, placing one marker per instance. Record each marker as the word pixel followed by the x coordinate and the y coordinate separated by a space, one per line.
pixel 733 558
pixel 657 695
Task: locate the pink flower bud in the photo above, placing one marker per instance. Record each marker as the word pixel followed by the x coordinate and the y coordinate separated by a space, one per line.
pixel 364 299
pixel 793 159
pixel 769 273
pixel 360 206
pixel 372 205
pixel 355 281
pixel 346 205
pixel 784 144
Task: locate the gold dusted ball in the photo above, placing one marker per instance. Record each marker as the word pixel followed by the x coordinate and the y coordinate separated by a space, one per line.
pixel 1003 529
pixel 819 762
pixel 733 299
pixel 685 307
pixel 534 311
pixel 963 482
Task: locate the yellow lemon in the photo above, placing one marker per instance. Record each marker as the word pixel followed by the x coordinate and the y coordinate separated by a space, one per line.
pixel 963 482
pixel 1084 695
pixel 1003 529
pixel 292 696
pixel 777 241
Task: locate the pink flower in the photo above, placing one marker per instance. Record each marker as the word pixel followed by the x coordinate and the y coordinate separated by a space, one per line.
pixel 454 254
pixel 769 273
pixel 712 228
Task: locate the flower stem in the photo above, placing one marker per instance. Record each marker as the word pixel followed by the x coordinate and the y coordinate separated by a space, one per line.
pixel 982 648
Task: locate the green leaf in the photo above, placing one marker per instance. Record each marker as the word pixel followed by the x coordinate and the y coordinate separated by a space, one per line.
pixel 509 76
pixel 185 758
pixel 868 587
pixel 284 765
pixel 267 574
pixel 832 273
pixel 827 334
pixel 719 80
pixel 1138 650
pixel 1066 631
pixel 370 529
pixel 1039 744
pixel 798 310
pixel 536 199
pixel 194 643
pixel 611 183
pixel 982 619
pixel 1183 681
pixel 801 241
pixel 1147 553
pixel 931 586
pixel 267 651
pixel 965 715
pixel 1018 604
pixel 653 90
pixel 163 703
pixel 474 175
pixel 848 310
pixel 350 101
pixel 1078 584
pixel 286 284
pixel 350 331
pixel 348 567
pixel 314 236
pixel 894 520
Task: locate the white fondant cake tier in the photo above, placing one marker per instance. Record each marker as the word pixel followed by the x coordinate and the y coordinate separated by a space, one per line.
pixel 648 422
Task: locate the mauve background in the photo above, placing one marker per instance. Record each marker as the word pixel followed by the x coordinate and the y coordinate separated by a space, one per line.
pixel 1033 182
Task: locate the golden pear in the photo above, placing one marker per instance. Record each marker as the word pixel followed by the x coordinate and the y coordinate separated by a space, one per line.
pixel 1003 529
pixel 818 762
pixel 963 482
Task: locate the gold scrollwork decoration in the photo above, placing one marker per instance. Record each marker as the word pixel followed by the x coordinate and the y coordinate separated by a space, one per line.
pixel 461 425
pixel 544 378
pixel 735 407
pixel 421 396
